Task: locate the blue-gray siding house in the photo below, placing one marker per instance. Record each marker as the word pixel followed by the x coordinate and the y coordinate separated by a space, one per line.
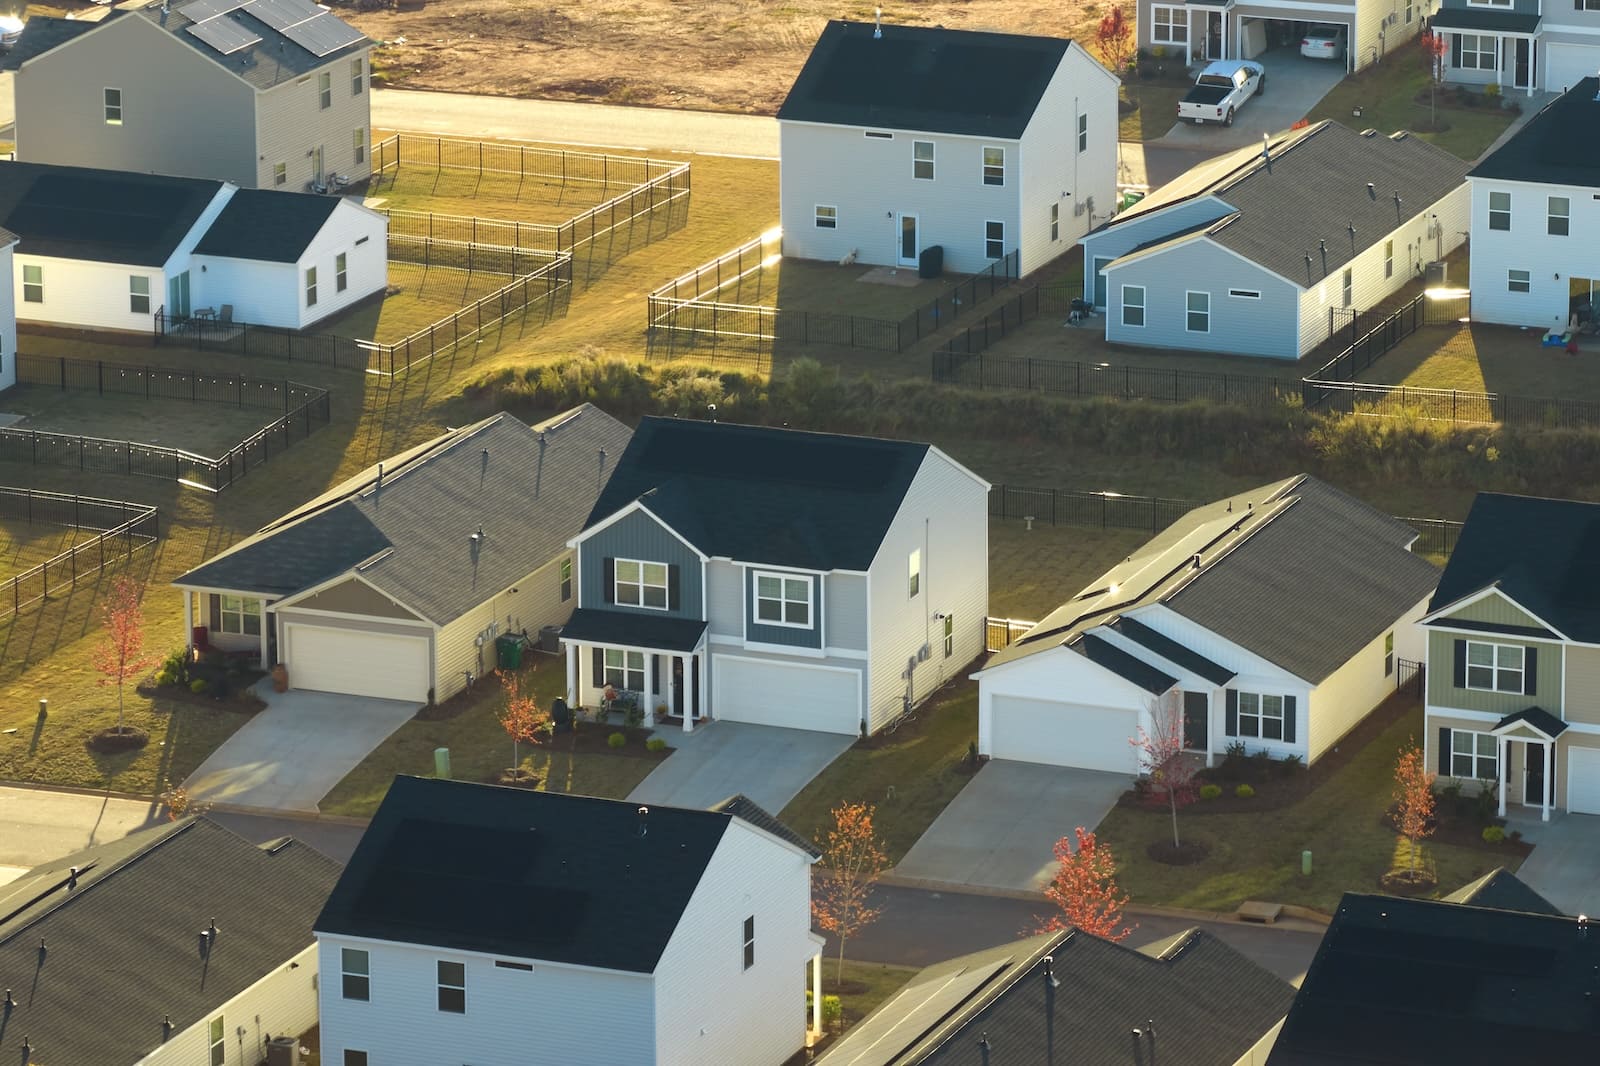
pixel 1522 46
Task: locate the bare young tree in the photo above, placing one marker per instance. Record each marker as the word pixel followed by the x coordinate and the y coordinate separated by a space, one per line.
pixel 855 859
pixel 1161 755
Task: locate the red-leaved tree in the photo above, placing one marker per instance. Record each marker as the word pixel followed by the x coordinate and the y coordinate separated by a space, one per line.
pixel 855 859
pixel 1084 889
pixel 522 719
pixel 121 651
pixel 1114 39
pixel 1161 755
pixel 1413 799
pixel 1433 51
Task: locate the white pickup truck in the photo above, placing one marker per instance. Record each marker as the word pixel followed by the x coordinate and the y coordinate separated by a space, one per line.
pixel 1220 90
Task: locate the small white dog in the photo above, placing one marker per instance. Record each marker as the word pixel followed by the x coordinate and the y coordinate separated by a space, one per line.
pixel 849 257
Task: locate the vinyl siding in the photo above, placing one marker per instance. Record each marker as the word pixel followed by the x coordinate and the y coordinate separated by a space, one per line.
pixel 595 1017
pixel 1528 246
pixel 283 1002
pixel 1575 54
pixel 266 294
pixel 1346 696
pixel 1238 325
pixel 356 597
pixel 1051 676
pixel 60 107
pixel 1495 610
pixel 844 605
pixel 1110 242
pixel 363 237
pixel 1376 38
pixel 77 293
pixel 537 602
pixel 291 125
pixel 725 598
pixel 1430 748
pixel 1583 683
pixel 639 536
pixel 1515 756
pixel 8 320
pixel 789 636
pixel 709 1008
pixel 1442 691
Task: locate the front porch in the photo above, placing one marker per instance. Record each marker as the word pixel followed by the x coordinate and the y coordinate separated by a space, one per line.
pixel 229 621
pixel 1489 48
pixel 658 662
pixel 1526 773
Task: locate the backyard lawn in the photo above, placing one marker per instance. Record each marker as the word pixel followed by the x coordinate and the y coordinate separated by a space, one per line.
pixel 209 429
pixel 419 186
pixel 828 288
pixel 23 545
pixel 418 297
pixel 1483 358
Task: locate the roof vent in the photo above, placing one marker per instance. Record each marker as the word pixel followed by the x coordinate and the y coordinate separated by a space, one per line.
pixel 1397 200
pixel 478 537
pixel 1372 191
pixel 72 877
pixel 9 1002
pixel 983 1048
pixel 1194 564
pixel 644 820
pixel 1369 133
pixel 380 475
pixel 1138 1047
pixel 166 1028
pixel 877 25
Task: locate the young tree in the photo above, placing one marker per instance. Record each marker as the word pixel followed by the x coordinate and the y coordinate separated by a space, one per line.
pixel 1161 754
pixel 1433 51
pixel 855 859
pixel 1413 798
pixel 1114 39
pixel 121 651
pixel 1084 889
pixel 522 719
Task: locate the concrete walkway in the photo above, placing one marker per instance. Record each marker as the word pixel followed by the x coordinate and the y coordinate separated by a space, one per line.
pixel 768 764
pixel 41 825
pixel 292 754
pixel 1565 865
pixel 1000 831
pixel 1295 85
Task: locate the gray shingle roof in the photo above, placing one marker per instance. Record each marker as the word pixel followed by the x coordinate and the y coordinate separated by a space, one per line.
pixel 267 225
pixel 120 948
pixel 271 61
pixel 634 628
pixel 1464 18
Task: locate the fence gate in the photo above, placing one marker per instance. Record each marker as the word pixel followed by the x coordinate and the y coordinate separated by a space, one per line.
pixel 1410 678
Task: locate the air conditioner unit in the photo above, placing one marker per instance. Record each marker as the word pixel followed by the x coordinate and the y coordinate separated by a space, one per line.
pixel 283 1051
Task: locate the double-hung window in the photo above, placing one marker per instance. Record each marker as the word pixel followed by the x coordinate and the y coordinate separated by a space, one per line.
pixel 949 635
pixel 1197 312
pixel 914 573
pixel 994 240
pixel 1518 281
pixel 113 104
pixel 1388 253
pixel 32 284
pixel 1349 286
pixel 994 166
pixel 341 274
pixel 641 584
pixel 453 987
pixel 355 972
pixel 311 286
pixel 1500 210
pixel 1260 716
pixel 1474 755
pixel 922 160
pixel 358 144
pixel 625 669
pixel 217 1042
pixel 566 579
pixel 1558 219
pixel 139 294
pixel 749 941
pixel 1477 51
pixel 1055 221
pixel 1496 667
pixel 1133 305
pixel 280 173
pixel 1169 25
pixel 1388 653
pixel 357 76
pixel 240 614
pixel 783 601
pixel 1083 132
pixel 324 90
pixel 827 216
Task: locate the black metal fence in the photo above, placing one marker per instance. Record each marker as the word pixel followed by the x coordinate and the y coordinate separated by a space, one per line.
pixel 1435 536
pixel 121 529
pixel 523 162
pixel 998 633
pixel 1411 677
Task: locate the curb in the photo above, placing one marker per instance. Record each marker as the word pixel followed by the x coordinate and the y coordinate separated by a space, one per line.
pixel 79 790
pixel 286 815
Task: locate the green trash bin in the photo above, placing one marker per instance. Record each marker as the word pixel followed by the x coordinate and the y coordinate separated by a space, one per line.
pixel 510 653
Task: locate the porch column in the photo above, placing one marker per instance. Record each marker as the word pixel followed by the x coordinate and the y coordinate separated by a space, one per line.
pixel 816 993
pixel 263 634
pixel 649 688
pixel 1549 778
pixel 673 663
pixel 1501 748
pixel 572 674
pixel 1211 701
pixel 188 619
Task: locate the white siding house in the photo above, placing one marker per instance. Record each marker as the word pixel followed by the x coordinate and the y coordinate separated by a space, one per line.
pixel 896 139
pixel 8 310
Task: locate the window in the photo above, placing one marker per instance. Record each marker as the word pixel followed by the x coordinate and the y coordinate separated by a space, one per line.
pixel 914 573
pixel 641 584
pixel 1388 653
pixel 358 144
pixel 1133 305
pixel 311 286
pixel 1244 294
pixel 1349 286
pixel 1198 308
pixel 341 278
pixel 827 217
pixel 1495 667
pixel 33 284
pixel 994 240
pixel 280 173
pixel 357 76
pixel 1518 281
pixel 922 160
pixel 240 614
pixel 625 669
pixel 453 987
pixel 1409 11
pixel 1488 3
pixel 1055 222
pixel 1388 252
pixel 1260 716
pixel 138 294
pixel 1500 210
pixel 1083 132
pixel 566 579
pixel 1474 755
pixel 749 941
pixel 1588 5
pixel 355 1058
pixel 1169 25
pixel 355 968
pixel 325 90
pixel 214 1040
pixel 994 166
pixel 1475 52
pixel 949 635
pixel 1559 216
pixel 783 601
pixel 113 101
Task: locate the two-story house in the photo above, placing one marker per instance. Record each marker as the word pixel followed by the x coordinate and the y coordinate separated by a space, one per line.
pixel 1536 218
pixel 808 580
pixel 268 94
pixel 1514 655
pixel 502 926
pixel 896 139
pixel 1525 46
pixel 1204 30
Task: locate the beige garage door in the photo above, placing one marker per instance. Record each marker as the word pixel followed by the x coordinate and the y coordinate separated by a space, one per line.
pixel 1063 734
pixel 383 665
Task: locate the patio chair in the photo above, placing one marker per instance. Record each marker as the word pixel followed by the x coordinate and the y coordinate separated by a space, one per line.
pixel 225 315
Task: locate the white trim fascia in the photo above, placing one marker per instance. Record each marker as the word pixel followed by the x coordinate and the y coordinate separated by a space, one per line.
pixel 312 612
pixel 899 130
pixel 1062 649
pixel 804 666
pixel 1094 64
pixel 1430 710
pixel 341 938
pixel 1510 732
pixel 1588 729
pixel 783 649
pixel 726 640
pixel 1492 589
pixel 1558 27
pixel 1491 634
pixel 1224 209
pixel 934 449
pixel 1302 5
pixel 206 590
pixel 787 845
pixel 640 648
pixel 1488 182
pixel 625 511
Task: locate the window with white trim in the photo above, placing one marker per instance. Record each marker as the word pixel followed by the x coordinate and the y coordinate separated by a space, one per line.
pixel 641 584
pixel 1410 11
pixel 1587 5
pixel 1083 132
pixel 1260 716
pixel 1133 305
pixel 1349 283
pixel 1476 51
pixel 1244 294
pixel 239 614
pixel 878 135
pixel 749 941
pixel 1474 755
pixel 280 173
pixel 32 284
pixel 624 669
pixel 1169 25
pixel 354 1058
pixel 782 600
pixel 1488 3
pixel 358 144
pixel 324 90
pixel 914 573
pixel 355 974
pixel 1500 210
pixel 341 275
pixel 949 635
pixel 1055 221
pixel 1518 281
pixel 566 579
pixel 1388 653
pixel 994 166
pixel 1388 252
pixel 922 160
pixel 1558 216
pixel 1197 312
pixel 358 77
pixel 1495 667
pixel 452 987
pixel 138 294
pixel 827 216
pixel 113 103
pixel 216 1040
pixel 994 239
pixel 311 286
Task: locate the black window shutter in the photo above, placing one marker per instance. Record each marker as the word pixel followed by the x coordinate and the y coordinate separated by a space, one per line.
pixel 214 623
pixel 1288 719
pixel 608 579
pixel 1230 719
pixel 674 585
pixel 599 667
pixel 1530 682
pixel 655 679
pixel 1461 664
pixel 1455 46
pixel 1444 751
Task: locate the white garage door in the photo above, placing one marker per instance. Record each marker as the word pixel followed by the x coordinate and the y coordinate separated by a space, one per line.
pixel 1063 734
pixel 765 692
pixel 1567 64
pixel 384 665
pixel 1583 780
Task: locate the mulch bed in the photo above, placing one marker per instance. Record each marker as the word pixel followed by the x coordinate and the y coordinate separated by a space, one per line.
pixel 460 703
pixel 118 739
pixel 1463 830
pixel 592 739
pixel 239 700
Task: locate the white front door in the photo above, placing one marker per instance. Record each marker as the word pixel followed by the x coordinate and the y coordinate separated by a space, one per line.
pixel 910 245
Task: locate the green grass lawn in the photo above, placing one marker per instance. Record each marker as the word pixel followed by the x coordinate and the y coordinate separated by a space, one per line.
pixel 419 297
pixel 1157 111
pixel 205 428
pixel 1386 95
pixel 828 288
pixel 23 545
pixel 1484 358
pixel 865 984
pixel 422 187
pixel 1033 571
pixel 1257 856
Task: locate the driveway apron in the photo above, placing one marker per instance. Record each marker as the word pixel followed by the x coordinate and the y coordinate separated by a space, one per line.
pixel 768 764
pixel 1565 865
pixel 1295 85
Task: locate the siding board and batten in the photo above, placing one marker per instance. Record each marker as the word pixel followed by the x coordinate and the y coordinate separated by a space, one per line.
pixel 639 536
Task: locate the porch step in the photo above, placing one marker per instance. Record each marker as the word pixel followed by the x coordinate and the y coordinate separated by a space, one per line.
pixel 1261 913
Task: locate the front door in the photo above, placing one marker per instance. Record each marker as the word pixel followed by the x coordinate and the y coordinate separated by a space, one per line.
pixel 1522 63
pixel 909 244
pixel 1196 720
pixel 1100 264
pixel 1533 773
pixel 178 297
pixel 1213 35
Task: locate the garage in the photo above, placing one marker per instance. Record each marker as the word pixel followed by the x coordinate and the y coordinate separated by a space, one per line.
pixel 1583 780
pixel 1261 34
pixel 359 663
pixel 1567 64
pixel 790 695
pixel 1063 734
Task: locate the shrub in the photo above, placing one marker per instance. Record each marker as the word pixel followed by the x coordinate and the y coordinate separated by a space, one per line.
pixel 617 740
pixel 1289 764
pixel 633 715
pixel 832 1011
pixel 1486 804
pixel 1493 834
pixel 1235 750
pixel 653 744
pixel 1491 90
pixel 198 686
pixel 174 669
pixel 1244 792
pixel 1210 792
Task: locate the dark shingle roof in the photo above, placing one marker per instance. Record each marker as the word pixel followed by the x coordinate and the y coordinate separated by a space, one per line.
pixel 528 495
pixel 743 807
pixel 536 875
pixel 267 225
pixel 102 216
pixel 1543 554
pixel 1466 18
pixel 784 497
pixel 1209 1005
pixel 1406 982
pixel 634 629
pixel 925 79
pixel 121 946
pixel 44 32
pixel 272 60
pixel 1538 717
pixel 1502 890
pixel 1557 146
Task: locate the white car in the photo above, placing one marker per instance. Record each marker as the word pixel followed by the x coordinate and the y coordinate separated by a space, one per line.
pixel 1324 41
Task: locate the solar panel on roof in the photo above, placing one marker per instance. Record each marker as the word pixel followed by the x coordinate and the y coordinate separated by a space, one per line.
pixel 224 34
pixel 201 10
pixel 323 35
pixel 281 14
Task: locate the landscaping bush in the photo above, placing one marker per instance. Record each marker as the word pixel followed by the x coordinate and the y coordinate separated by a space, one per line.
pixel 198 686
pixel 653 744
pixel 633 715
pixel 832 1011
pixel 1210 792
pixel 1289 764
pixel 1493 834
pixel 617 740
pixel 1486 803
pixel 174 669
pixel 1244 792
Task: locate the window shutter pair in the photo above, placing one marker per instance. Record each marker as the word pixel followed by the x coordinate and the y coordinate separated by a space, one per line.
pixel 1288 719
pixel 1444 749
pixel 1230 719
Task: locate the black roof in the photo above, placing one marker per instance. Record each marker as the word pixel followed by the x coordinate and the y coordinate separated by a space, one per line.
pixel 1466 18
pixel 1543 554
pixel 44 32
pixel 1504 891
pixel 272 60
pixel 1206 1004
pixel 121 946
pixel 784 497
pixel 1413 982
pixel 925 79
pixel 741 806
pixel 1538 717
pixel 1557 146
pixel 534 875
pixel 267 225
pixel 634 629
pixel 1172 651
pixel 102 216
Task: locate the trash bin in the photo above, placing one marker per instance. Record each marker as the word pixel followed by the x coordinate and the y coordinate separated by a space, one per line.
pixel 550 639
pixel 510 649
pixel 560 715
pixel 930 264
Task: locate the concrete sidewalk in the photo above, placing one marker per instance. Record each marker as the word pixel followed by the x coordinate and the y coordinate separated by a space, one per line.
pixel 40 825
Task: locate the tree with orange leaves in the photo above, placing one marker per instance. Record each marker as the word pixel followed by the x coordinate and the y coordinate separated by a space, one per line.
pixel 1084 889
pixel 522 719
pixel 1114 39
pixel 855 860
pixel 1413 799
pixel 121 652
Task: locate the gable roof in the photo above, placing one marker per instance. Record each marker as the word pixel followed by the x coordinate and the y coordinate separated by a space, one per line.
pixel 102 216
pixel 267 225
pixel 1424 982
pixel 925 79
pixel 41 33
pixel 121 948
pixel 1544 554
pixel 275 58
pixel 743 807
pixel 406 522
pixel 784 497
pixel 1502 890
pixel 536 875
pixel 1263 556
pixel 1208 1004
pixel 1556 146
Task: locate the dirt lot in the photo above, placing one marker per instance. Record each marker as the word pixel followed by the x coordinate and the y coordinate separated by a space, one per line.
pixel 716 55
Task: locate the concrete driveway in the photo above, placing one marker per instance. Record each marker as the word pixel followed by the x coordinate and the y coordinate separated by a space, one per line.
pixel 768 764
pixel 1565 865
pixel 292 754
pixel 1295 85
pixel 1000 831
